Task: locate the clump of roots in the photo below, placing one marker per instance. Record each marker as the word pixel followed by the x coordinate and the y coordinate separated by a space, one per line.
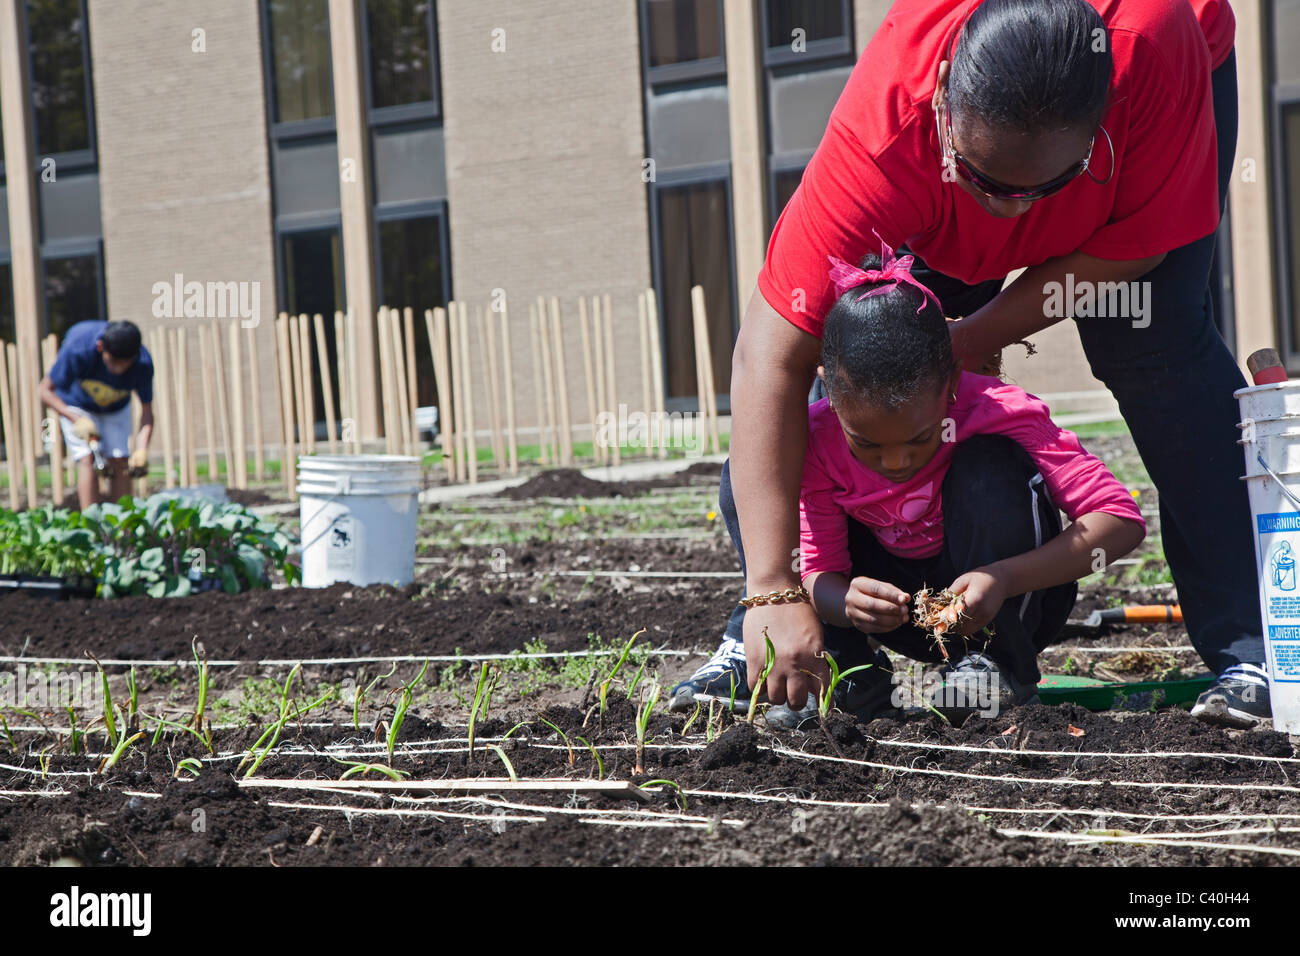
pixel 937 613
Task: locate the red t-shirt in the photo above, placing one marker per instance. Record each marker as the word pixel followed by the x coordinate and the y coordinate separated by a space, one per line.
pixel 878 165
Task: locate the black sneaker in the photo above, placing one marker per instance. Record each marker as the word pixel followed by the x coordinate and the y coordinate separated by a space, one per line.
pixel 1239 698
pixel 976 684
pixel 724 678
pixel 863 695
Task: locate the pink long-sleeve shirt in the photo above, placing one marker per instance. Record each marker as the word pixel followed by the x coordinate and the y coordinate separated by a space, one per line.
pixel 907 518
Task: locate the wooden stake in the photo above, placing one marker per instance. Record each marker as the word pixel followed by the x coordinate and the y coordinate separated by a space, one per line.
pixel 295 382
pixel 548 384
pixel 284 387
pixel 163 406
pixel 704 364
pixel 391 439
pixel 562 384
pixel 457 391
pixel 612 392
pixel 586 367
pixel 341 366
pixel 219 393
pixel 187 403
pixel 354 380
pixel 488 337
pixel 512 440
pixel 50 352
pixel 403 405
pixel 435 322
pixel 538 389
pixel 412 386
pixel 308 438
pixel 176 358
pixel 13 437
pixel 326 381
pixel 598 348
pixel 209 398
pixel 255 370
pixel 237 403
pixel 27 421
pixel 657 368
pixel 647 403
pixel 471 438
pixel 140 485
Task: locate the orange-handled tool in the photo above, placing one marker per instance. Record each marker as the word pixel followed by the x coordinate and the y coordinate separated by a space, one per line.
pixel 1130 614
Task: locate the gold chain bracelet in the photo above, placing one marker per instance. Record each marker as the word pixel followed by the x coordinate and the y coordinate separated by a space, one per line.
pixel 777 597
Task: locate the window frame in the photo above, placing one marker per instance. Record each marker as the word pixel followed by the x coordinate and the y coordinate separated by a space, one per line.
pixel 73 159
pixel 829 48
pixel 292 129
pixel 70 249
pixel 413 209
pixel 425 111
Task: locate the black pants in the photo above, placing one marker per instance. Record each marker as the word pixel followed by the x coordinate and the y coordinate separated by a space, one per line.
pixel 994 506
pixel 1174 380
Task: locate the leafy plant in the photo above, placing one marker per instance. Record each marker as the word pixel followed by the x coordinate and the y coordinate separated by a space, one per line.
pixel 563 736
pixel 361 769
pixel 510 769
pixel 190 764
pixel 595 756
pixel 111 761
pixel 681 796
pixel 361 694
pixel 618 664
pixel 482 694
pixel 287 710
pixel 74 740
pixel 828 692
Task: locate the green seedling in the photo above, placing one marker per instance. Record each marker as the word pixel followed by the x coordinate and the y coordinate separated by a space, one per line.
pixel 399 715
pixel 511 732
pixel 205 739
pixel 202 665
pixel 731 702
pixel 8 736
pixel 636 679
pixel 595 756
pixel 563 736
pixel 356 769
pixel 618 664
pixel 131 719
pixel 274 730
pixel 642 722
pixel 74 742
pixel 828 694
pixel 109 762
pixel 190 764
pixel 769 653
pixel 514 778
pixel 482 694
pixel 110 725
pixel 690 720
pixel 668 783
pixel 361 695
pixel 44 761
pixel 709 733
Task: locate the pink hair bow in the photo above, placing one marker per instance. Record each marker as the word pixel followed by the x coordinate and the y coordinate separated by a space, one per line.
pixel 893 270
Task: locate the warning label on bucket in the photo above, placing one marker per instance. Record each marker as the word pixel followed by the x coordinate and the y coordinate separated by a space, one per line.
pixel 1279 549
pixel 340 554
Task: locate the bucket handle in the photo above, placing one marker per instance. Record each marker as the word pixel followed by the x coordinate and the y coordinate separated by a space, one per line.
pixel 1259 456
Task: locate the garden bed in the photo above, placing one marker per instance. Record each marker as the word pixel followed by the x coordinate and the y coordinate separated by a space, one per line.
pixel 547 593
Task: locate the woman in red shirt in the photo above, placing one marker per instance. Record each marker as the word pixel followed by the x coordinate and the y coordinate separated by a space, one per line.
pixel 1088 141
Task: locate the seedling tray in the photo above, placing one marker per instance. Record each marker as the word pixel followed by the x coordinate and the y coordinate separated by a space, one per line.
pixel 1103 695
pixel 58 588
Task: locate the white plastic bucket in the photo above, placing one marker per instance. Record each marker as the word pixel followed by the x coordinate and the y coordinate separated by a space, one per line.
pixel 215 493
pixel 358 516
pixel 1271 442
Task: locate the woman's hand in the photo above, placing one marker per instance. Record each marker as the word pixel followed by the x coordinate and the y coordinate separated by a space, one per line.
pixel 875 607
pixel 985 590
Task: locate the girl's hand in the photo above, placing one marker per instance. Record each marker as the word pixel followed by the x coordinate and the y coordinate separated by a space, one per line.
pixel 875 607
pixel 985 591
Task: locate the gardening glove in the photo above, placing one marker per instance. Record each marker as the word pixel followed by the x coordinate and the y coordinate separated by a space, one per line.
pixel 138 463
pixel 85 429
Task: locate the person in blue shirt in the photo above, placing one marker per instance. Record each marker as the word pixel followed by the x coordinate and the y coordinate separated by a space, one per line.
pixel 99 365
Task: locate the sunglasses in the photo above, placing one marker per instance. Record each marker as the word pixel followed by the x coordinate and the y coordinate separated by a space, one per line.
pixel 996 190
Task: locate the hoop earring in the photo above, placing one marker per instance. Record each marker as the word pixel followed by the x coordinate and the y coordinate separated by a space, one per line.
pixel 1111 146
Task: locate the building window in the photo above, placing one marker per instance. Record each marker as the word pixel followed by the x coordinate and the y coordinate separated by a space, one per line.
pixel 302 76
pixel 73 291
pixel 683 31
pixel 403 52
pixel 60 77
pixel 413 273
pixel 312 261
pixel 807 59
pixel 1285 95
pixel 688 137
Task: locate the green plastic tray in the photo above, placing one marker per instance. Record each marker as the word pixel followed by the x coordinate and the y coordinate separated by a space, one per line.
pixel 1102 695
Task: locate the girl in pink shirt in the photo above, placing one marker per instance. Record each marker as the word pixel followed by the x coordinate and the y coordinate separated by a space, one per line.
pixel 920 475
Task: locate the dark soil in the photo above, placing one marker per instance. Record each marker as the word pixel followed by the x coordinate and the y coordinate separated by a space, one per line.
pixel 572 483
